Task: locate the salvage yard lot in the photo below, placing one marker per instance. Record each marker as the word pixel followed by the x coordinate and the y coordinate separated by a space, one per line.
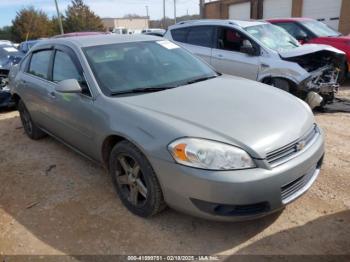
pixel 53 201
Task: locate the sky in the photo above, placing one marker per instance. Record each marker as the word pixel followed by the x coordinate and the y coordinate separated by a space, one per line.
pixel 103 8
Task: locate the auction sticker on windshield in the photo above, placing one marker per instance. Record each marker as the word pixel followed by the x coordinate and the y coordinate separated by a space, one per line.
pixel 167 44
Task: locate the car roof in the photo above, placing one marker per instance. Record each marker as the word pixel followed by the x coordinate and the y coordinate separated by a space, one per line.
pixel 95 40
pixel 239 23
pixel 80 34
pixel 291 19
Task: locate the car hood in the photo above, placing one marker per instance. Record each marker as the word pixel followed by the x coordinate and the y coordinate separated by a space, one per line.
pixel 308 49
pixel 254 116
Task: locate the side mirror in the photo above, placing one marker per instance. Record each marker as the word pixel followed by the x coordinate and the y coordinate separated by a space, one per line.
pixel 68 86
pixel 248 48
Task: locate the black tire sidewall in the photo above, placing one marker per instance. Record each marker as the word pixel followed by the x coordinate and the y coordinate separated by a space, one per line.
pixel 151 205
pixel 22 109
pixel 36 133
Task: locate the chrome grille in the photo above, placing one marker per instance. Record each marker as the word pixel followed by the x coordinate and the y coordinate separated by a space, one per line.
pixel 297 187
pixel 287 152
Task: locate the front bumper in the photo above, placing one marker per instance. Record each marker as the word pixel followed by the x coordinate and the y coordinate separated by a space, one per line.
pixel 241 194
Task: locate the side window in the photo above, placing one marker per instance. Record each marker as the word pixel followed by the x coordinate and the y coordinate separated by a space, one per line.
pixel 39 63
pixel 230 39
pixel 201 36
pixel 293 29
pixel 64 68
pixel 24 63
pixel 180 34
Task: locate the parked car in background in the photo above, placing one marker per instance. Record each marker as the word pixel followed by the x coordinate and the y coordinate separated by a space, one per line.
pixel 26 45
pixel 6 42
pixel 120 31
pixel 6 100
pixel 154 31
pixel 263 52
pixel 310 31
pixel 139 105
pixel 9 56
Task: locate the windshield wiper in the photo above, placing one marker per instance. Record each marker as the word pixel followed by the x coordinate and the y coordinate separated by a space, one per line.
pixel 201 79
pixel 142 90
pixel 293 43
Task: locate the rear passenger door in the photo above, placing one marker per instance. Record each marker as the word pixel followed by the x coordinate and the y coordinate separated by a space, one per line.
pixel 228 58
pixel 197 39
pixel 34 87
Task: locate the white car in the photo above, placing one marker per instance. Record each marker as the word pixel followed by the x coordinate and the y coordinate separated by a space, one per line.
pixel 263 52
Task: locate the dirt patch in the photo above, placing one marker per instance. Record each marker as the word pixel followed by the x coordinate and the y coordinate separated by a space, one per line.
pixel 53 201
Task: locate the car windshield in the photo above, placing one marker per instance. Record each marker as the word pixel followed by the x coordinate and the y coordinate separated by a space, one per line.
pixel 124 67
pixel 320 29
pixel 273 37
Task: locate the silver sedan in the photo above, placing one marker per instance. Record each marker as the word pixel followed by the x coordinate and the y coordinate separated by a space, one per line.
pixel 168 128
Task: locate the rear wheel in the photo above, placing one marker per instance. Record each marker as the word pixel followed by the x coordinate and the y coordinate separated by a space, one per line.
pixel 135 181
pixel 33 131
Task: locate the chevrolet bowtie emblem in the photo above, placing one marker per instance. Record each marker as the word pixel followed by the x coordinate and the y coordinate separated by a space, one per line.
pixel 300 146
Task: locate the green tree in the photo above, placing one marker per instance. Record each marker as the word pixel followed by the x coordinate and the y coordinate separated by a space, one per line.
pixel 5 33
pixel 30 23
pixel 80 18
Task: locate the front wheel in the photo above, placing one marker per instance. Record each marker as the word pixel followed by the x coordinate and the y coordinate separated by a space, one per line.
pixel 135 181
pixel 343 73
pixel 33 131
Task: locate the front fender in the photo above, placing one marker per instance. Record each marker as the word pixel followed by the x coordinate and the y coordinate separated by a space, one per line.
pixel 273 68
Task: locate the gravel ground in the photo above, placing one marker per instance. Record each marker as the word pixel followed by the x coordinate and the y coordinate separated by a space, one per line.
pixel 53 201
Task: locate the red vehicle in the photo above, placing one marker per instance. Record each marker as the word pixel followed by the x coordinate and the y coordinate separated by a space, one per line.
pixel 310 31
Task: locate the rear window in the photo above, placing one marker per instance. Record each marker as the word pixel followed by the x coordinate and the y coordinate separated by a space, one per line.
pixel 197 35
pixel 39 64
pixel 201 36
pixel 180 34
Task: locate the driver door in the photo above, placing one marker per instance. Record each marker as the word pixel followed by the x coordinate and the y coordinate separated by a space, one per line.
pixel 72 112
pixel 228 58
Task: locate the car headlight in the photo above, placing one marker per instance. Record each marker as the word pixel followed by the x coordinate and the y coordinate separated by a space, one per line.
pixel 207 154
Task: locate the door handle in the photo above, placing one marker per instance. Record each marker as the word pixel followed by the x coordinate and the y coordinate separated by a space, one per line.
pixel 220 56
pixel 52 95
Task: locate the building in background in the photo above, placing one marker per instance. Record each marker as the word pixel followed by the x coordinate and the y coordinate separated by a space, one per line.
pixel 334 13
pixel 131 25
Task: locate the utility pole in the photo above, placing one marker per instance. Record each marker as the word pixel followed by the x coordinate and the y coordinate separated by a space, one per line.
pixel 59 18
pixel 174 11
pixel 147 12
pixel 164 18
pixel 201 8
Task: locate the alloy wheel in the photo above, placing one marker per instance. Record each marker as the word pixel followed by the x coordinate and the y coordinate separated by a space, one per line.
pixel 130 180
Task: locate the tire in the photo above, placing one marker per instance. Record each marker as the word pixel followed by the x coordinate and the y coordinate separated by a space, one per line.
pixel 343 74
pixel 135 181
pixel 31 129
pixel 280 84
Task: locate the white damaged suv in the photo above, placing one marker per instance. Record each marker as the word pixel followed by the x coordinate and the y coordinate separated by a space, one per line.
pixel 263 52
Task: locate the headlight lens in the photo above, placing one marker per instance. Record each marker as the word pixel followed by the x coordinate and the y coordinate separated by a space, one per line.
pixel 207 154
